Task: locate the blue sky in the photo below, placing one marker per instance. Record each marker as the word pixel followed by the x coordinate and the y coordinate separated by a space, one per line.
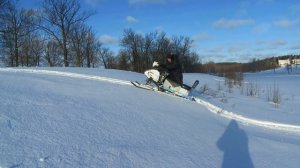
pixel 222 30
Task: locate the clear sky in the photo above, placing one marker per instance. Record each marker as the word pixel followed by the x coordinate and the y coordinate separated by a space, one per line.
pixel 222 30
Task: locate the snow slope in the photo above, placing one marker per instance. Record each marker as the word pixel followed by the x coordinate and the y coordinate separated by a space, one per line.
pixel 72 117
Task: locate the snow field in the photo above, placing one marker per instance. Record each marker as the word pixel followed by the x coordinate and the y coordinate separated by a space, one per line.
pixel 209 106
pixel 66 121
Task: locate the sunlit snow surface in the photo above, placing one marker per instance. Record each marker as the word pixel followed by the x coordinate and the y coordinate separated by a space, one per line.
pixel 76 117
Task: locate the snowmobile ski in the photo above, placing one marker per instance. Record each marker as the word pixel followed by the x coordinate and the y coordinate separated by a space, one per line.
pixel 142 86
pixel 195 84
pixel 167 92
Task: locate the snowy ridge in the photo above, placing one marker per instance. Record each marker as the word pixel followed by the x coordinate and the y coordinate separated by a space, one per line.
pixel 245 120
pixel 209 106
pixel 68 74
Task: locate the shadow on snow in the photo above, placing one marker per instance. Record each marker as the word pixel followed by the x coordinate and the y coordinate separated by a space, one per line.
pixel 234 144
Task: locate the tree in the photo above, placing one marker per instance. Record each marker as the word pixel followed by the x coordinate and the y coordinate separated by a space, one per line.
pixel 3 6
pixel 192 63
pixel 2 3
pixel 182 46
pixel 149 45
pixel 77 39
pixel 37 50
pixel 107 58
pixel 104 55
pixel 85 45
pixel 123 60
pixel 140 51
pixel 16 24
pixel 32 49
pixel 53 54
pixel 90 47
pixel 58 19
pixel 133 44
pixel 162 47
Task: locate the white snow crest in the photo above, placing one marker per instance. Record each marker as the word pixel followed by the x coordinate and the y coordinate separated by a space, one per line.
pixel 231 115
pixel 68 74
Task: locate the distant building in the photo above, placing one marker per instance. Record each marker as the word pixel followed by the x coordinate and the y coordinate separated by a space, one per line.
pixel 296 61
pixel 284 63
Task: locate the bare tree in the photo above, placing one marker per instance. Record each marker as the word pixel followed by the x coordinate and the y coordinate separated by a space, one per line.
pixel 192 63
pixel 3 6
pixel 107 58
pixel 37 50
pixel 2 3
pixel 123 60
pixel 140 51
pixel 90 47
pixel 16 24
pixel 58 19
pixel 103 52
pixel 32 49
pixel 78 35
pixel 162 47
pixel 26 54
pixel 53 54
pixel 182 46
pixel 133 44
pixel 149 45
pixel 85 46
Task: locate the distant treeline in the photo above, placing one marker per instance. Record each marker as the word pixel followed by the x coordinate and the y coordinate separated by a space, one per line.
pixel 255 65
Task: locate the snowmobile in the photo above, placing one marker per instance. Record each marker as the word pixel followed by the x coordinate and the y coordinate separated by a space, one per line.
pixel 157 80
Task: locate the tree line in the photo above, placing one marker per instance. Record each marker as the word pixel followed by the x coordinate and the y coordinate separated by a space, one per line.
pixel 57 35
pixel 255 65
pixel 139 51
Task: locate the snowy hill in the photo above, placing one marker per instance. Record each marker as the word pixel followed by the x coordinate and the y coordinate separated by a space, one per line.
pixel 72 117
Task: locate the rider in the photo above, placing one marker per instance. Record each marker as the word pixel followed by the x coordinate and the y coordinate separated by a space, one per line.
pixel 173 67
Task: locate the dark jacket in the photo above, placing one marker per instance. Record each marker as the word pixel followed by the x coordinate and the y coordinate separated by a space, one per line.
pixel 174 69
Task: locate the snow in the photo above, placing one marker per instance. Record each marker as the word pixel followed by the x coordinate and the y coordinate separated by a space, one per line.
pixel 77 117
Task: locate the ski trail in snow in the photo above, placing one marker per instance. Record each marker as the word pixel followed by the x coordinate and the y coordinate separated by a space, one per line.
pixel 248 121
pixel 68 74
pixel 212 108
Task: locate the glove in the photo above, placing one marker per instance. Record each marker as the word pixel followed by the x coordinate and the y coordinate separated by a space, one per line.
pixel 155 64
